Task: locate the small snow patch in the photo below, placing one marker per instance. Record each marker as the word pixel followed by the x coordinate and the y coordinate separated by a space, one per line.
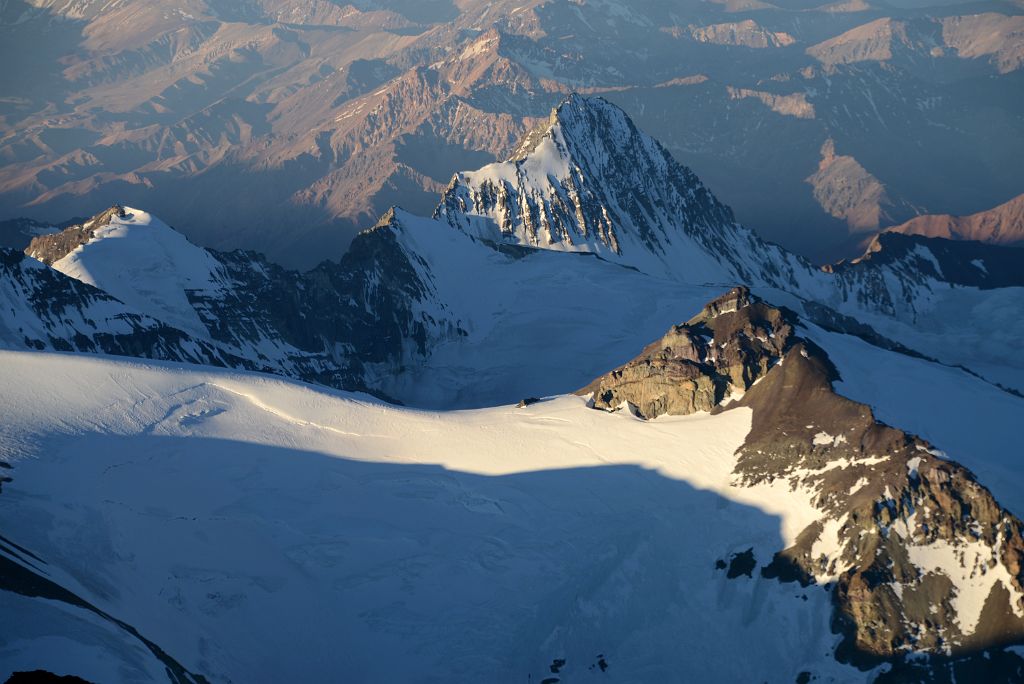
pixel 912 466
pixel 825 439
pixel 859 484
pixel 937 453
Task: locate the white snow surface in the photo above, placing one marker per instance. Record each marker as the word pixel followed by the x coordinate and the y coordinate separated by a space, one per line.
pixel 545 323
pixel 18 320
pixel 255 527
pixel 974 570
pixel 148 265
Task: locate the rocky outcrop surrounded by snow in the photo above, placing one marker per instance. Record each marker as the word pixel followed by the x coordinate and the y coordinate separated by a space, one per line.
pixel 695 366
pixel 920 557
pixel 53 247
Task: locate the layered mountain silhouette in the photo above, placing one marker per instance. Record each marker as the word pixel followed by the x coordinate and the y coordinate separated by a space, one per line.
pixel 1001 225
pixel 589 195
pixel 319 116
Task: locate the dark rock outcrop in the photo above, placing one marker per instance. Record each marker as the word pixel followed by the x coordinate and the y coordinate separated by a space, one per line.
pixel 695 366
pixel 53 247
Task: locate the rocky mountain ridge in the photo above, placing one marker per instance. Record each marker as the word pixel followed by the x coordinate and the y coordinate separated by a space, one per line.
pixel 1001 225
pixel 919 555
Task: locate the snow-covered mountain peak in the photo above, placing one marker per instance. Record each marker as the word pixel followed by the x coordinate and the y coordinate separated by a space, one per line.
pixel 138 259
pixel 587 180
pixel 591 181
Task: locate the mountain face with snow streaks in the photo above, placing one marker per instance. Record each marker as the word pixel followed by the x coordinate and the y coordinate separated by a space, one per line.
pixel 233 308
pixel 46 310
pixel 588 180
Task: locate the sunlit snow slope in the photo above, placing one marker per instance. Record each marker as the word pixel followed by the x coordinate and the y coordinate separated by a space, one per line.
pixel 138 259
pixel 256 528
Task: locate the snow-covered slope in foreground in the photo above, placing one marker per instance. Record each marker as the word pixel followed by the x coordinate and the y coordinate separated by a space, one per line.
pixel 256 528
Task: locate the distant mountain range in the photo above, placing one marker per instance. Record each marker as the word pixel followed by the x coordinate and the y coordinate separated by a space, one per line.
pixel 1002 225
pixel 671 430
pixel 593 210
pixel 817 123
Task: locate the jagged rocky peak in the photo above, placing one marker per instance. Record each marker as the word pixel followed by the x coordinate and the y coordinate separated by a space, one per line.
pixel 719 353
pixel 53 247
pixel 919 556
pixel 589 180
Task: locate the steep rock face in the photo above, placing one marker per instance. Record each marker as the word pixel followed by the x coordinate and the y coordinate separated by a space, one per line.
pixel 988 35
pixel 877 40
pixel 920 557
pixel 589 180
pixel 849 192
pixel 792 104
pixel 329 324
pixel 392 313
pixel 746 33
pixel 695 366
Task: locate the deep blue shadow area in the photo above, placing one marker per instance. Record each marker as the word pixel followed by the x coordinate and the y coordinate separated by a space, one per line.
pixel 252 561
